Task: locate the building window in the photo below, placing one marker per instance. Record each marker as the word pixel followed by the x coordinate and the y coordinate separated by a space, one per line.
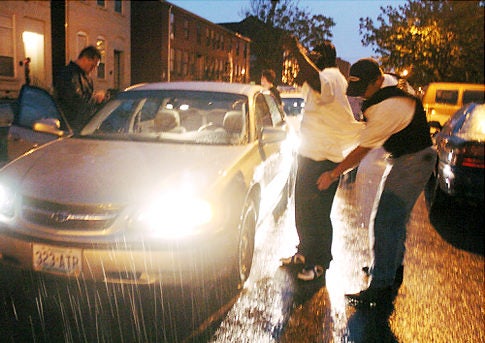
pixel 172 60
pixel 6 48
pixel 186 29
pixel 199 34
pixel 100 3
pixel 118 6
pixel 172 25
pixel 178 61
pixel 207 37
pixel 185 64
pixel 81 42
pixel 101 45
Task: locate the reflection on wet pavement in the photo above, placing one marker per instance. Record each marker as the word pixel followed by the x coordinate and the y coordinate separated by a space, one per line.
pixel 441 299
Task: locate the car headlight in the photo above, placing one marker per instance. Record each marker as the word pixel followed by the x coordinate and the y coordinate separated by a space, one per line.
pixel 174 215
pixel 6 202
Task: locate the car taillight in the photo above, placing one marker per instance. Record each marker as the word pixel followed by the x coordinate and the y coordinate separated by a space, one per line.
pixel 471 156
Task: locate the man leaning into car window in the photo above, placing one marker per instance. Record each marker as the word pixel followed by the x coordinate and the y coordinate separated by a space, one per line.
pixel 74 88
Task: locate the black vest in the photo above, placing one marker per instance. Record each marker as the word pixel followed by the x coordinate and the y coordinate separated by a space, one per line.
pixel 412 138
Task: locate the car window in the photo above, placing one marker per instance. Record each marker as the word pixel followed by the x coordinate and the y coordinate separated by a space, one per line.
pixel 473 96
pixel 293 106
pixel 36 104
pixel 471 125
pixel 172 115
pixel 445 96
pixel 277 116
pixel 268 113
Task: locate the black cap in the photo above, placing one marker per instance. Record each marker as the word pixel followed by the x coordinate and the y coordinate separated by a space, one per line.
pixel 362 73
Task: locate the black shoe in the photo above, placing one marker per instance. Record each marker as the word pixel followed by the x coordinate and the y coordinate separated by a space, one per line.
pixel 371 296
pixel 398 277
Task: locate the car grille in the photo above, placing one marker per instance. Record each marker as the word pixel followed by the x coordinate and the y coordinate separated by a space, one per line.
pixel 69 217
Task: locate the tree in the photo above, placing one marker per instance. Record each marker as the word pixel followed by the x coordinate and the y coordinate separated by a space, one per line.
pixel 435 40
pixel 278 19
pixel 285 15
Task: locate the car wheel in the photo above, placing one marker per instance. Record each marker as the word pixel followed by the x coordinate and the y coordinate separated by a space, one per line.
pixel 433 194
pixel 246 242
pixel 440 197
pixel 430 191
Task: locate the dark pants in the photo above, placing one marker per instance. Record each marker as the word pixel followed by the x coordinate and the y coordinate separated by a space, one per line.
pixel 312 212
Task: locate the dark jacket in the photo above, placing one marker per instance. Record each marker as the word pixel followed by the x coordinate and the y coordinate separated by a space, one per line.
pixel 74 92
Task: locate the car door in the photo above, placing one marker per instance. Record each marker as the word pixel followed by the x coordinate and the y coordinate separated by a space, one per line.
pixel 37 120
pixel 274 148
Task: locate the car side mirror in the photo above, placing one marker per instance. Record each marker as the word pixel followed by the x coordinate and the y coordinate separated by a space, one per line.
pixel 273 134
pixel 48 125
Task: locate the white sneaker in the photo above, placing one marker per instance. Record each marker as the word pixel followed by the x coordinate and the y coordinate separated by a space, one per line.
pixel 292 260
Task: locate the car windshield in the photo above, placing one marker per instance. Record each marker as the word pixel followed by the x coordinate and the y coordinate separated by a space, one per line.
pixel 293 106
pixel 473 124
pixel 172 115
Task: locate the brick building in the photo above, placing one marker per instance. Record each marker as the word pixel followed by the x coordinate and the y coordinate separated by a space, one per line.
pixel 173 44
pixel 51 33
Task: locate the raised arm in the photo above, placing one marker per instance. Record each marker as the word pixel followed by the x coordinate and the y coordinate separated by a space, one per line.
pixel 308 70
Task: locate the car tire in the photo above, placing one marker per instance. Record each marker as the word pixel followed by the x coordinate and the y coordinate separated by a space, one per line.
pixel 433 194
pixel 245 248
pixel 430 191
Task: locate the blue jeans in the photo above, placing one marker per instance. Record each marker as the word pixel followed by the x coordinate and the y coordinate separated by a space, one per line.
pixel 312 212
pixel 401 188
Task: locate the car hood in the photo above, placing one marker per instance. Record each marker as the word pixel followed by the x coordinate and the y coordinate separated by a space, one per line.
pixel 90 171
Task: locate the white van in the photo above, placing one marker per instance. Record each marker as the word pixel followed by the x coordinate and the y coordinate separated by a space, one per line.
pixel 442 99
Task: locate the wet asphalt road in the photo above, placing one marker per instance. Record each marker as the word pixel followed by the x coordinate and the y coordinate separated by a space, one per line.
pixel 441 299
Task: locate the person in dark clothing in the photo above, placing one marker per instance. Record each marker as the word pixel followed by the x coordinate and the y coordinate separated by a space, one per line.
pixel 74 88
pixel 328 132
pixel 395 120
pixel 268 77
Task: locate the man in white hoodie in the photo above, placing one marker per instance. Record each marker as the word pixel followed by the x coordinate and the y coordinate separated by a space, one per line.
pixel 328 133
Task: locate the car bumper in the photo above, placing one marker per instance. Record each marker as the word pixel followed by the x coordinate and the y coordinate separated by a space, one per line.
pixel 460 182
pixel 175 265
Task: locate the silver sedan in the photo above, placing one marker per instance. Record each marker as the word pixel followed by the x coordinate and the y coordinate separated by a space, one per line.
pixel 165 185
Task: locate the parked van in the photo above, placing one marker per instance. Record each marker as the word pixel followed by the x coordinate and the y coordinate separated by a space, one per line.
pixel 442 99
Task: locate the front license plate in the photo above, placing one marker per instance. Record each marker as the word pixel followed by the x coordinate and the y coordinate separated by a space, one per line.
pixel 57 260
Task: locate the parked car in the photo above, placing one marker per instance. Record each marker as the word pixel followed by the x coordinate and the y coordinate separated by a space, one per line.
pixel 33 119
pixel 460 166
pixel 442 99
pixel 293 105
pixel 165 185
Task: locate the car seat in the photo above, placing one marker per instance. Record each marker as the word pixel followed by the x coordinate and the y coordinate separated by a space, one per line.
pixel 167 120
pixel 233 122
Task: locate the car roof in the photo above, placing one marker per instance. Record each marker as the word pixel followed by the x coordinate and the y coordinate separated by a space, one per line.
pixel 456 85
pixel 291 95
pixel 211 86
